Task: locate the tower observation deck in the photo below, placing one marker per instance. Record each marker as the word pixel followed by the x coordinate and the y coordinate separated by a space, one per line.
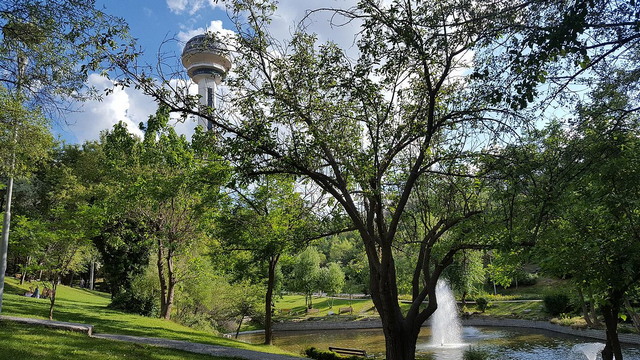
pixel 207 63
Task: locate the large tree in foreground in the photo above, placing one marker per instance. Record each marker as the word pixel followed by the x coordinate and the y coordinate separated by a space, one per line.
pixel 408 111
pixel 367 131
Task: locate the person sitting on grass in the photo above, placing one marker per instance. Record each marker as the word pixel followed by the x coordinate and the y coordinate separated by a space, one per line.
pixel 30 292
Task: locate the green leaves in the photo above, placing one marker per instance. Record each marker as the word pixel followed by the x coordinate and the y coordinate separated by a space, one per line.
pixel 57 37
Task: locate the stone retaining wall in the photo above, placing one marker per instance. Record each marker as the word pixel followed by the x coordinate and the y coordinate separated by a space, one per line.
pixel 545 325
pixel 475 321
pixel 83 328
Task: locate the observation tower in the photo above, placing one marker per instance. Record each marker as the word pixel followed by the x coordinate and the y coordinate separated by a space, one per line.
pixel 207 63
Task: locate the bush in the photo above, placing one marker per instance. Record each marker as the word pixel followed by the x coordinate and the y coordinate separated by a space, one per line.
pixel 136 303
pixel 328 355
pixel 558 303
pixel 527 279
pixel 475 354
pixel 482 304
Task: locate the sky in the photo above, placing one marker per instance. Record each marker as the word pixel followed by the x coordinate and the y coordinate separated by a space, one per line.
pixel 152 23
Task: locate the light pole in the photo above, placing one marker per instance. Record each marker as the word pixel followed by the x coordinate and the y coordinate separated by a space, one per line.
pixel 4 244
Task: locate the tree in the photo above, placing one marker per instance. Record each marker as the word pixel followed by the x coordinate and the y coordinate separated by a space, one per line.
pixel 467 273
pixel 168 190
pixel 580 188
pixel 306 274
pixel 59 42
pixel 597 216
pixel 63 220
pixel 331 279
pixel 268 219
pixel 365 131
pixel 41 48
pixel 125 249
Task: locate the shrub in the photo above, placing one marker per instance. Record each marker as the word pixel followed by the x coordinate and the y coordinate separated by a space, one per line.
pixel 328 355
pixel 137 303
pixel 527 279
pixel 475 354
pixel 556 304
pixel 482 304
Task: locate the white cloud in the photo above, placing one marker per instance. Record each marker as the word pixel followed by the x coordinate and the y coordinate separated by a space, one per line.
pixel 127 105
pixel 215 26
pixel 177 6
pixel 191 6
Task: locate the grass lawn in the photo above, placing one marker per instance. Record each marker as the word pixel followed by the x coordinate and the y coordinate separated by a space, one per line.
pixel 90 307
pixel 20 342
pixel 295 303
pixel 528 310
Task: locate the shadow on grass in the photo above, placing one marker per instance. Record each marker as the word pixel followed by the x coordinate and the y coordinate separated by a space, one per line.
pixel 108 321
pixel 25 342
pixel 13 289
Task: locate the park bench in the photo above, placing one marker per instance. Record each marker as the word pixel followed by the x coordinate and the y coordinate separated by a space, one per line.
pixel 312 311
pixel 344 310
pixel 348 351
pixel 285 311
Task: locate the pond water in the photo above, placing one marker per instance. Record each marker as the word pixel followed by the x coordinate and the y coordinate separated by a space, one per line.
pixel 501 343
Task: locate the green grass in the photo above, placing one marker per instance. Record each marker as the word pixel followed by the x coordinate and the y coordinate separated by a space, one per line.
pixel 522 310
pixel 90 307
pixel 20 342
pixel 296 304
pixel 542 287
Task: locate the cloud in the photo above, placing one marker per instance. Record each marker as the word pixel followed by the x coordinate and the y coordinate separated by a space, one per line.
pixel 127 105
pixel 215 26
pixel 177 6
pixel 191 6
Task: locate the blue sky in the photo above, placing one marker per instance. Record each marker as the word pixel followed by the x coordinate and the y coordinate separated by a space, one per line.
pixel 154 21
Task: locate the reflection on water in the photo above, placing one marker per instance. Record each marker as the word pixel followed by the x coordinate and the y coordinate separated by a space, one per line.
pixel 500 343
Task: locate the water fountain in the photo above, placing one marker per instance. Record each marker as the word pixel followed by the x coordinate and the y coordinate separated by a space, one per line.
pixel 590 350
pixel 446 330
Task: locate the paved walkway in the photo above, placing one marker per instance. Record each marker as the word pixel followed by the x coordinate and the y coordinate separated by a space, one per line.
pixel 84 328
pixel 166 343
pixel 198 348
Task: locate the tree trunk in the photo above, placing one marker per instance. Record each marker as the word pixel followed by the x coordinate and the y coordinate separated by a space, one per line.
pixel 635 318
pixel 612 348
pixel 592 307
pixel 400 339
pixel 585 309
pixel 268 301
pixel 52 296
pixel 92 274
pixel 240 324
pixel 400 334
pixel 24 273
pixel 171 288
pixel 162 279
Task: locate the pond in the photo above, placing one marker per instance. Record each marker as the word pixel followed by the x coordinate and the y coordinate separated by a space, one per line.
pixel 501 343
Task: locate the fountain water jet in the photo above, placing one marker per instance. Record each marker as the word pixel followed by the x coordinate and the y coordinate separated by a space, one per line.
pixel 446 330
pixel 590 350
